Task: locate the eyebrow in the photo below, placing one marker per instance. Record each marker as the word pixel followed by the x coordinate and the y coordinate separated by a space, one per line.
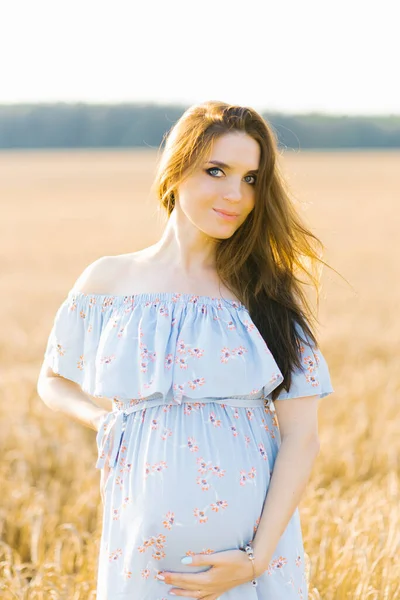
pixel 222 164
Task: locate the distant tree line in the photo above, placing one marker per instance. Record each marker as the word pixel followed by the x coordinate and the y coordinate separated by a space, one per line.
pixel 80 125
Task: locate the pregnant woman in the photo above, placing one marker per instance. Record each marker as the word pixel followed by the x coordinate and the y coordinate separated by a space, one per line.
pixel 203 343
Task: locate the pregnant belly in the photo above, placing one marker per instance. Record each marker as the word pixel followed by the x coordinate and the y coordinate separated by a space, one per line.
pixel 189 479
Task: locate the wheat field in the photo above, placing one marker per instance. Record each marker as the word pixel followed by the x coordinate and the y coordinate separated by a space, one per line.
pixel 63 209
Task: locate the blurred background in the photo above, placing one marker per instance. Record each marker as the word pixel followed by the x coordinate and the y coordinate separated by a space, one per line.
pixel 88 90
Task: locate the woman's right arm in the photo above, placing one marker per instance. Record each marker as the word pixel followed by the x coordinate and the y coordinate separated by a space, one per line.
pixel 63 395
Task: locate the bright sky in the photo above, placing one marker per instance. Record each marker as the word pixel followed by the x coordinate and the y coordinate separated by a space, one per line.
pixel 286 55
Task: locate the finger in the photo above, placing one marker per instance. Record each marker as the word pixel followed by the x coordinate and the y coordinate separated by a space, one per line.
pixel 192 581
pixel 189 593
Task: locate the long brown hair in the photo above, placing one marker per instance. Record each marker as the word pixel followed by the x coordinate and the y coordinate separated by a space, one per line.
pixel 262 260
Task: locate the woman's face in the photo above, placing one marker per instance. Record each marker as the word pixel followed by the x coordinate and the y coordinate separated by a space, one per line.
pixel 228 187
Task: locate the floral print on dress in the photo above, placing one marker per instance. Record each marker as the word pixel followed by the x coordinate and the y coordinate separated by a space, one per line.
pixel 190 444
pixel 146 345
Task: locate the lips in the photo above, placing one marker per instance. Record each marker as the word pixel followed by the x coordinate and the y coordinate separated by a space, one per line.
pixel 225 212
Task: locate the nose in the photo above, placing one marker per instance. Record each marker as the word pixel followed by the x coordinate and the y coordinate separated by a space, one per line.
pixel 233 192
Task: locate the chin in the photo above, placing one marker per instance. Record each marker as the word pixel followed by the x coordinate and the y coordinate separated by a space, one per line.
pixel 221 236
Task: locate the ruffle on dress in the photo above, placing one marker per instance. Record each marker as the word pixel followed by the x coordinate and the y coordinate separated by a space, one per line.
pixel 131 348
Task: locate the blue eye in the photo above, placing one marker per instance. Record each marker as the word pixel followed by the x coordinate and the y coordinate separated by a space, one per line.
pixel 218 169
pixel 214 169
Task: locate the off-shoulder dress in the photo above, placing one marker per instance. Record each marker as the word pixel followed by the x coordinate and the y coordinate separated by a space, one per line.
pixel 192 437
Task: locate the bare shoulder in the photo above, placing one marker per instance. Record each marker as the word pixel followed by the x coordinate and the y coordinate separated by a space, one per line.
pixel 106 274
pixel 98 276
pixel 144 271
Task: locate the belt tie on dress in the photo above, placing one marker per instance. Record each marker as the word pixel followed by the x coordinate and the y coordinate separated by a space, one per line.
pixel 111 431
pixel 109 438
pixel 110 434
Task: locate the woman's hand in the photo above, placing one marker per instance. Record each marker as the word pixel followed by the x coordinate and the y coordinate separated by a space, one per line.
pixel 229 569
pixel 98 419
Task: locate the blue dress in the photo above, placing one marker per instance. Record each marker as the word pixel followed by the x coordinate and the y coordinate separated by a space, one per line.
pixel 190 443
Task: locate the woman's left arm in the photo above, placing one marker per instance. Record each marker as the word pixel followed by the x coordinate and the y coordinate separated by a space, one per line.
pixel 298 427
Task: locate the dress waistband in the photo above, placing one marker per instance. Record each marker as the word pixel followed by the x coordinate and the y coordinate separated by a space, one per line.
pixel 109 435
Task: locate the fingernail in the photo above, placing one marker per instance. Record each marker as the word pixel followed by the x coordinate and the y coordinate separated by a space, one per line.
pixel 187 560
pixel 172 593
pixel 160 576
